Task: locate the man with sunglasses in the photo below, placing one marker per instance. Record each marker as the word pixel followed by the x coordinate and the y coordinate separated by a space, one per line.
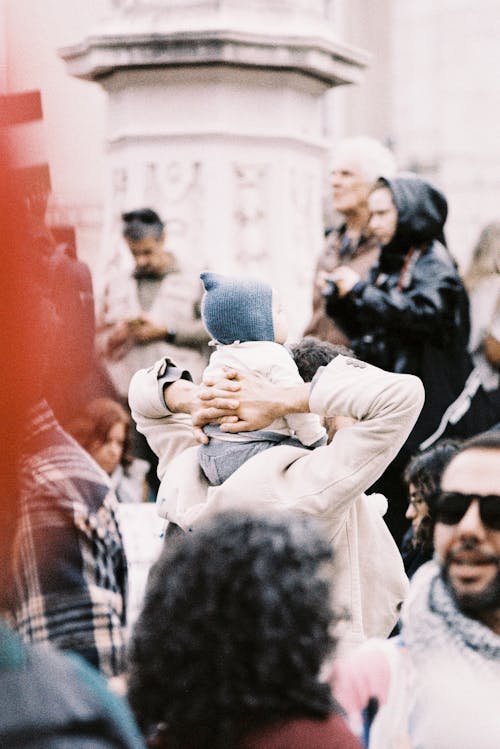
pixel 467 535
pixel 437 684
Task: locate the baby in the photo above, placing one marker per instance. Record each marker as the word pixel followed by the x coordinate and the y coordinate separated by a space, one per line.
pixel 248 327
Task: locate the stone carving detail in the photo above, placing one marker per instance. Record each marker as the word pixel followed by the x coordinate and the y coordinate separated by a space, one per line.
pixel 250 213
pixel 301 190
pixel 119 187
pixel 304 236
pixel 119 182
pixel 153 191
pixel 174 190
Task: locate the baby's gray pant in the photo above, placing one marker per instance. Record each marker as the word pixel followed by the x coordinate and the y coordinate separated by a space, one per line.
pixel 221 458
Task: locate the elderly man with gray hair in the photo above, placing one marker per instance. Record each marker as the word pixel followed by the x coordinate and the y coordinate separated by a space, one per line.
pixel 356 164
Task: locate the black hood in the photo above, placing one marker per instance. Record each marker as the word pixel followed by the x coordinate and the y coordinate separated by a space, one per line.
pixel 422 211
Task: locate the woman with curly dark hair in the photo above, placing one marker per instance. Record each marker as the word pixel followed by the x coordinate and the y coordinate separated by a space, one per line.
pixel 422 476
pixel 235 627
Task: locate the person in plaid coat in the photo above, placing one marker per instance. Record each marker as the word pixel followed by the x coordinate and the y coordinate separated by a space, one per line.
pixel 69 566
pixel 62 565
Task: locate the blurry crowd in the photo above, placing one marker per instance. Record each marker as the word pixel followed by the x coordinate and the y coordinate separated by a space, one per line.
pixel 320 519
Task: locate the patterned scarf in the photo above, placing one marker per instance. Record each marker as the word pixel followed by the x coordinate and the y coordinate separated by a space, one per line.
pixel 453 670
pixel 432 620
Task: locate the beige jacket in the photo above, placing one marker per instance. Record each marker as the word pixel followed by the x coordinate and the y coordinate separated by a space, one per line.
pixel 327 483
pixel 174 307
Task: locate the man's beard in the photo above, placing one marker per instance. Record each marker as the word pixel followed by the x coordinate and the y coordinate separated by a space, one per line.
pixel 474 604
pixel 148 273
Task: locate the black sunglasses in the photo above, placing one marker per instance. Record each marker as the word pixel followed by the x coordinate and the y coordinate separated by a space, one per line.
pixel 452 506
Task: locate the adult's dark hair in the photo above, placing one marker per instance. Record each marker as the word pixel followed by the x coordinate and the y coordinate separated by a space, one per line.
pixel 311 353
pixel 234 629
pixel 141 223
pixel 95 422
pixel 424 472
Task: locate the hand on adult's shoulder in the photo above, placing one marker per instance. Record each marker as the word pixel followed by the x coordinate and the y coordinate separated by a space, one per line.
pixel 238 401
pixel 261 402
pixel 215 401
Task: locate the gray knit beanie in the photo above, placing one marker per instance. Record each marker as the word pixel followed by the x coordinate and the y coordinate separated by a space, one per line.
pixel 237 309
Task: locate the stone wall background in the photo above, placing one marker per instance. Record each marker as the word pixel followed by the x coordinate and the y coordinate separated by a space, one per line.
pixel 431 91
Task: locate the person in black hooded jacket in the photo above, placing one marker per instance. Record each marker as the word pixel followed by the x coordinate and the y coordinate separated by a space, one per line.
pixel 412 313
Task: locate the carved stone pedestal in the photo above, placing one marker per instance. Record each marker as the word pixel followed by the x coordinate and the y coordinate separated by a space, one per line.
pixel 215 120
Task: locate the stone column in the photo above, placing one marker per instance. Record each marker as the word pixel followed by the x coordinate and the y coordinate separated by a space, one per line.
pixel 215 120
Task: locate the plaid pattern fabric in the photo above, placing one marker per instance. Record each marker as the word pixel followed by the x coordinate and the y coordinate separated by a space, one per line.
pixel 69 567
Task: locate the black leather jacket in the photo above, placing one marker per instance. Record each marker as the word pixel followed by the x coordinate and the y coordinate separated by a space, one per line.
pixel 412 314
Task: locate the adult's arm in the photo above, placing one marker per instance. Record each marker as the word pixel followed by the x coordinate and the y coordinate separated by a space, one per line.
pixel 323 482
pixel 326 481
pixel 428 307
pixel 168 432
pixel 384 407
pixel 305 426
pixel 257 401
pixel 169 409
